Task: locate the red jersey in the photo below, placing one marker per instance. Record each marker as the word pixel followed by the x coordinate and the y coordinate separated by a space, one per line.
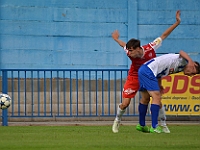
pixel 149 53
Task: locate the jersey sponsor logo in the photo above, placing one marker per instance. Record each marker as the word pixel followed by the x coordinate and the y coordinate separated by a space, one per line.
pixel 128 91
pixel 150 54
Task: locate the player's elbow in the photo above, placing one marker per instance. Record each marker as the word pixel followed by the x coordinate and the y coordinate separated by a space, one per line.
pixel 181 52
pixel 163 36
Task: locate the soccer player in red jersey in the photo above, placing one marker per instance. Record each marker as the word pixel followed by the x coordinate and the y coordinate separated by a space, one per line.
pixel 138 55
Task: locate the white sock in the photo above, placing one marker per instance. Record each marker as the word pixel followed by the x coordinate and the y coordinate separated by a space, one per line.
pixel 162 116
pixel 119 113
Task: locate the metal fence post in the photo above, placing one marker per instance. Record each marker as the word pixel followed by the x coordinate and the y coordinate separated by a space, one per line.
pixel 4 90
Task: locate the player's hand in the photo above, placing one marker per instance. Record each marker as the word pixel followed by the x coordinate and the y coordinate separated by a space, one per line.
pixel 178 14
pixel 192 65
pixel 115 35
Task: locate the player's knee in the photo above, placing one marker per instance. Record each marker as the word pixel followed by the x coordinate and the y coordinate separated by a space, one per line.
pixel 124 105
pixel 157 101
pixel 144 101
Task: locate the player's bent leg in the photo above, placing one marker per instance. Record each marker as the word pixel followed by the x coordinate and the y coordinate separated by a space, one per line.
pixel 120 111
pixel 155 107
pixel 154 116
pixel 143 105
pixel 163 117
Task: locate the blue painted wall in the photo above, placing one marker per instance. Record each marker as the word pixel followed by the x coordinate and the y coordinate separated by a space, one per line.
pixel 77 33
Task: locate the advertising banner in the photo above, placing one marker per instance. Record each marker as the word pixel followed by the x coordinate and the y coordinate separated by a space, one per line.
pixel 181 94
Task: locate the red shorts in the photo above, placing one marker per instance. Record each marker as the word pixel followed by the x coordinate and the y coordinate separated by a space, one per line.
pixel 131 87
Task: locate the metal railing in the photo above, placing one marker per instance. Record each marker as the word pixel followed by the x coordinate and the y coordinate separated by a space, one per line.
pixel 50 93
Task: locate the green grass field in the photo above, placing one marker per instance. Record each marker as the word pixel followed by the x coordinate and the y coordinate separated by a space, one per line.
pixel 183 137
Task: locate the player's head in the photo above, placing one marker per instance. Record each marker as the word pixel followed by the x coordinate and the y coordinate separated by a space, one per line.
pixel 190 71
pixel 133 46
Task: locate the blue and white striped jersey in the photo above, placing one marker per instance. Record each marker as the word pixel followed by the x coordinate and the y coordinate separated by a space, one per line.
pixel 166 64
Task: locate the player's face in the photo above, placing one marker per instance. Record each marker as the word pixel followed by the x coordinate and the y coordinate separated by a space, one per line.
pixel 134 53
pixel 189 71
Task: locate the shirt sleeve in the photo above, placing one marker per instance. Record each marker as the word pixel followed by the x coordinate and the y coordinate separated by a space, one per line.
pixel 156 43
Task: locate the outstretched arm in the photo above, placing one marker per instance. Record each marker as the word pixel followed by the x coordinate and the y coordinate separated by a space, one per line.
pixel 172 27
pixel 115 36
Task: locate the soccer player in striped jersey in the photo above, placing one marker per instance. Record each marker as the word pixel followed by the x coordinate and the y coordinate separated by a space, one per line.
pixel 150 75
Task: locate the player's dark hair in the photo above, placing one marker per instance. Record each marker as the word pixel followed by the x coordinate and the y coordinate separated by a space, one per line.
pixel 133 43
pixel 197 67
